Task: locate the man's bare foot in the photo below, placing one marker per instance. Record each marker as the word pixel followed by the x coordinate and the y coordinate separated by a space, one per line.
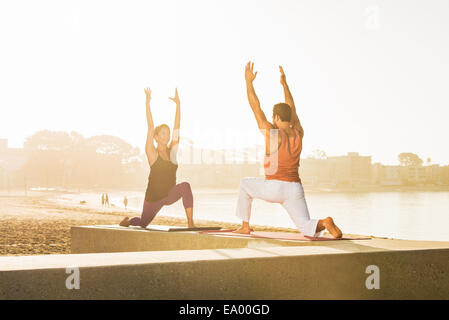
pixel 332 228
pixel 244 230
pixel 125 222
pixel 191 225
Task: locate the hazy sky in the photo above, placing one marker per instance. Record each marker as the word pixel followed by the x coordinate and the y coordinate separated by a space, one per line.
pixel 367 76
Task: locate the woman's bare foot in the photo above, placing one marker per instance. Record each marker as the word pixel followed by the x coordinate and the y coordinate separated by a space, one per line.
pixel 191 225
pixel 332 228
pixel 125 222
pixel 189 214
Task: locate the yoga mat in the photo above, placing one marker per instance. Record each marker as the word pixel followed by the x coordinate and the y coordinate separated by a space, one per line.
pixel 173 228
pixel 281 235
pixel 161 228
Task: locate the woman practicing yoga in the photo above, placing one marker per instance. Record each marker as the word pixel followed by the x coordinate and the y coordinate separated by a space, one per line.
pixel 162 189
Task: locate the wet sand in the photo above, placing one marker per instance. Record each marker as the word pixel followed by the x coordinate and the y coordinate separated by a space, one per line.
pixel 40 222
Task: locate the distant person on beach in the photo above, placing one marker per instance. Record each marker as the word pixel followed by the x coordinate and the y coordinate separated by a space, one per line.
pixel 283 146
pixel 102 200
pixel 162 189
pixel 106 200
pixel 125 201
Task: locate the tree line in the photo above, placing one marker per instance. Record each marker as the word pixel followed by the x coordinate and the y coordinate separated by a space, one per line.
pixel 62 159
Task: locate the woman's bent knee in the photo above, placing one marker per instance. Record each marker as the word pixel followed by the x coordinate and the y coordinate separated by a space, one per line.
pixel 185 187
pixel 186 194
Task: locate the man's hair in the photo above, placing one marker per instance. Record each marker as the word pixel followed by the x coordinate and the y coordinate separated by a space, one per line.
pixel 283 110
pixel 159 128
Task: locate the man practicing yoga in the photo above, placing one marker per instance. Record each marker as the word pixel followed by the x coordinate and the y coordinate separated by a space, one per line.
pixel 283 140
pixel 162 189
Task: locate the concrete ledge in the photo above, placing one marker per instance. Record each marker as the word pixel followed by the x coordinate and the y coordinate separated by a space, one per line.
pixel 98 239
pixel 299 272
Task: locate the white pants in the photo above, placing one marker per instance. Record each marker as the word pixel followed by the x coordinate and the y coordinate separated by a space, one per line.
pixel 289 194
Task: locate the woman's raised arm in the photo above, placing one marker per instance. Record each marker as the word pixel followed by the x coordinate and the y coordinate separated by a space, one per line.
pixel 175 137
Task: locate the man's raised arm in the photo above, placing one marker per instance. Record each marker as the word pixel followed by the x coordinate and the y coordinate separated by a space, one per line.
pixel 289 100
pixel 261 119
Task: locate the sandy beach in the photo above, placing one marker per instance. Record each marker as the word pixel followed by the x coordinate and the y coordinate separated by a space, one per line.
pixel 40 222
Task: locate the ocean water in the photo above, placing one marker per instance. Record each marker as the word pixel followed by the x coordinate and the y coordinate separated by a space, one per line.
pixel 401 215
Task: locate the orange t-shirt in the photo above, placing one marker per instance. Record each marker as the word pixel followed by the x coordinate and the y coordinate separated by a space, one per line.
pixel 283 164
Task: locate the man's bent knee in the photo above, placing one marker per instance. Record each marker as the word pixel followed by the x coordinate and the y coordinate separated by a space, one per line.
pixel 244 183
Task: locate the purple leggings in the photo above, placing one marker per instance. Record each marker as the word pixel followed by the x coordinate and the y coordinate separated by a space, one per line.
pixel 150 209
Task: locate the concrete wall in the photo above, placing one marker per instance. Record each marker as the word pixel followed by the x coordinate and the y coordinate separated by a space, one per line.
pixel 246 269
pixel 306 272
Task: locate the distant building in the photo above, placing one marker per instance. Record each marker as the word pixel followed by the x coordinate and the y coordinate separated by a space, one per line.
pixel 444 175
pixel 386 175
pixel 351 169
pixel 410 175
pixel 315 171
pixel 11 160
pixel 434 174
pixel 210 168
pixel 3 145
pixel 413 174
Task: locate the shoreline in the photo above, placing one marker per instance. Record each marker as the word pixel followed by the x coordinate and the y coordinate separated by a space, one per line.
pixel 370 189
pixel 204 189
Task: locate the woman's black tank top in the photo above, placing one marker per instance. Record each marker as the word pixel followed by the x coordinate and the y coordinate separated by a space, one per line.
pixel 161 179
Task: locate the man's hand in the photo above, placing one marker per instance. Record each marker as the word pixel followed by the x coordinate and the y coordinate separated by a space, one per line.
pixel 283 79
pixel 148 94
pixel 175 99
pixel 254 102
pixel 249 74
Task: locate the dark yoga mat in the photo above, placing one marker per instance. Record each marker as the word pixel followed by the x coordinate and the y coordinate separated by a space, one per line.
pixel 156 227
pixel 177 229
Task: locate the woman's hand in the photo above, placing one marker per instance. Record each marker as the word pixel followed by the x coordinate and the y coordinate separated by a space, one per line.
pixel 175 99
pixel 147 94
